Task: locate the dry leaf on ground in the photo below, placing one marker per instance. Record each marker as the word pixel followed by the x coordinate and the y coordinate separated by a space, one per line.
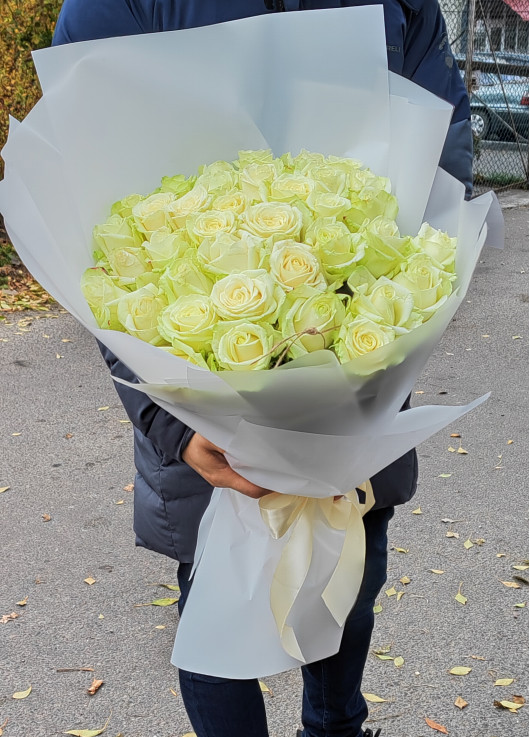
pixel 460 598
pixel 159 602
pixel 438 727
pixel 461 703
pixel 88 732
pixel 95 686
pixel 373 699
pixel 512 706
pixel 22 694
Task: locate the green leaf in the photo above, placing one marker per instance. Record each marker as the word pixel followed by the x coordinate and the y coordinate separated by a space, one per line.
pixel 399 661
pixel 378 608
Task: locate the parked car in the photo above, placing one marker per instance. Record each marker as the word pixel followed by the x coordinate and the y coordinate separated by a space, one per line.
pixel 499 107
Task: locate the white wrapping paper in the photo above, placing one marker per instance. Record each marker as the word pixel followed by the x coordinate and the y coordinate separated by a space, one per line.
pixel 115 117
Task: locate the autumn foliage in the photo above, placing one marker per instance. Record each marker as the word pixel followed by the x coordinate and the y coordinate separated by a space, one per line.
pixel 24 25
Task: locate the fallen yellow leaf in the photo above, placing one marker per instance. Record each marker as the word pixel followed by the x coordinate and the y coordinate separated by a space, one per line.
pixel 461 703
pixel 122 501
pixel 455 435
pixel 129 487
pixel 160 627
pixel 511 584
pixel 16 434
pixel 23 602
pixel 189 734
pixel 399 661
pixel 22 694
pixel 468 544
pixel 89 580
pixel 461 599
pixel 504 682
pixel 391 592
pixel 46 517
pixel 102 409
pixel 401 550
pixel 159 602
pixel 88 732
pixel 449 533
pixel 405 580
pixel 373 699
pixel 460 670
pixel 400 595
pixel 378 609
pixel 510 705
pixel 520 568
pixel 264 688
pixel 417 511
pixel 462 451
pixel 444 475
pixel 4 488
pixel 451 449
pixel 434 570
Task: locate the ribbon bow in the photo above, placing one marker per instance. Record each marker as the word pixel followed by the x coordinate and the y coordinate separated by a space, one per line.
pixel 283 511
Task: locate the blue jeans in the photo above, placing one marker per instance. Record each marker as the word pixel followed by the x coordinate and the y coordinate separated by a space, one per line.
pixel 332 705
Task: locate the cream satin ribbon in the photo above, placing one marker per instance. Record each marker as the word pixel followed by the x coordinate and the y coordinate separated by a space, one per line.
pixel 283 511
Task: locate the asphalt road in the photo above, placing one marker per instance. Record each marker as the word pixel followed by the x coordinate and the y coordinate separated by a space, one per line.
pixel 66 454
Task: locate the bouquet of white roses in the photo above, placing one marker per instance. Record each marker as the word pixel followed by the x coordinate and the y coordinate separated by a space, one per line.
pixel 264 259
pixel 113 118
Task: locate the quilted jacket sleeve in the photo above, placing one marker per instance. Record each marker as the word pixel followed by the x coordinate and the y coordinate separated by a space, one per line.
pixel 166 432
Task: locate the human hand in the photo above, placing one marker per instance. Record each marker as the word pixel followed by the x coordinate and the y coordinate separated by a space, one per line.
pixel 209 461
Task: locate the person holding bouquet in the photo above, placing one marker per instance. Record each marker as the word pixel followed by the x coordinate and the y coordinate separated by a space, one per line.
pixel 177 468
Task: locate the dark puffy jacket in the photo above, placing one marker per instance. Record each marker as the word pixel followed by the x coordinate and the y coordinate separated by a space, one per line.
pixel 170 498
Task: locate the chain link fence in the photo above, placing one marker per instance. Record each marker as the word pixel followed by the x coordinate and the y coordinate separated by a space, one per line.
pixel 490 41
